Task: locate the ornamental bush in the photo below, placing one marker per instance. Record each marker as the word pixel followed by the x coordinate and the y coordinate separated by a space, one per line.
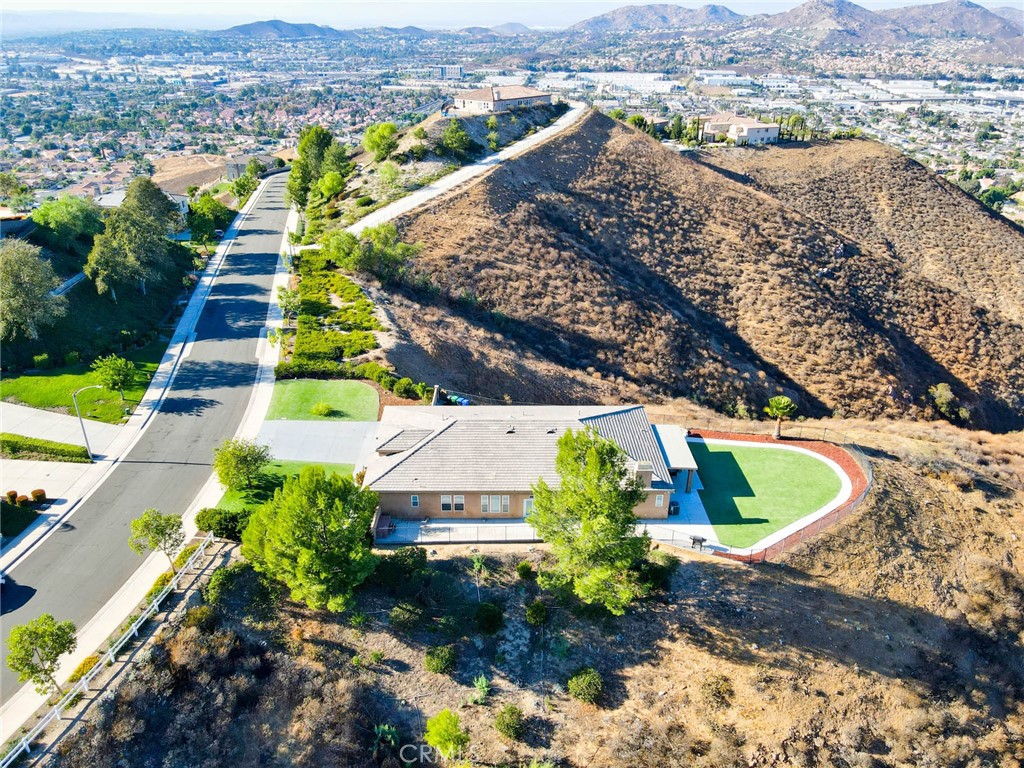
pixel 223 523
pixel 440 659
pixel 525 571
pixel 586 685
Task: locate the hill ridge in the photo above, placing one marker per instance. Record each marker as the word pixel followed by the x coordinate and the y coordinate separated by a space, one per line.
pixel 576 277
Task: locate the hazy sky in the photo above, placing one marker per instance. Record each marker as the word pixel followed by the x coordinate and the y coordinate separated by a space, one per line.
pixel 207 14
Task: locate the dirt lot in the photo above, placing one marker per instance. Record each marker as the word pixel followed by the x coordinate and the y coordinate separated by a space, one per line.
pixel 177 174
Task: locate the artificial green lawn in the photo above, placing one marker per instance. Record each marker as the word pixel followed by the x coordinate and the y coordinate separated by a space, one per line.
pixel 273 478
pixel 52 389
pixel 351 400
pixel 752 491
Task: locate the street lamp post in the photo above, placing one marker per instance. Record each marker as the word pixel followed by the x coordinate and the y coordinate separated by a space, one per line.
pixel 81 421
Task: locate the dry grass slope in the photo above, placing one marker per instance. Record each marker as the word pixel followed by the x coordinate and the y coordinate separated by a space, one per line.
pixel 602 265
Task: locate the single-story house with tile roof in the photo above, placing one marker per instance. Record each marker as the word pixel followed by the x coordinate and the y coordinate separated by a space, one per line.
pixel 482 461
pixel 500 98
pixel 742 130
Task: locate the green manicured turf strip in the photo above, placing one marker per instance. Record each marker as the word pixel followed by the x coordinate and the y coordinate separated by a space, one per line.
pixel 273 478
pixel 294 399
pixel 36 449
pixel 52 389
pixel 751 492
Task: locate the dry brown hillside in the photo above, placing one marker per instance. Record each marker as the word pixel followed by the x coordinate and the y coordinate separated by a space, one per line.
pixel 623 269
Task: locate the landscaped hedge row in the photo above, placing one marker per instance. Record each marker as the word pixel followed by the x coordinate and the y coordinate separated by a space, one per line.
pixel 332 369
pixel 18 446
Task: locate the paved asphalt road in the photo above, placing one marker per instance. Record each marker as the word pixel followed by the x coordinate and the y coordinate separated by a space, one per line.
pixel 79 568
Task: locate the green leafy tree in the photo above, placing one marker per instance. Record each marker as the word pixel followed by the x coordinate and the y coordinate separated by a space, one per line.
pixel 205 216
pixel 243 187
pixel 143 198
pixel 10 185
pixel 289 299
pixel 115 373
pixel 637 121
pixel 255 168
pixel 156 532
pixel 617 114
pixel 446 734
pixel 388 173
pixel 331 184
pixel 675 130
pixel 299 180
pixel 34 650
pixel 455 140
pixel 492 123
pixel 314 141
pixel 381 139
pixel 336 160
pixel 780 407
pixel 589 522
pixel 239 462
pixel 132 247
pixel 68 220
pixel 26 280
pixel 314 537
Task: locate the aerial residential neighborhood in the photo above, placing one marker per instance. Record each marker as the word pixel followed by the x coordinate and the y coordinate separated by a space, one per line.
pixel 512 384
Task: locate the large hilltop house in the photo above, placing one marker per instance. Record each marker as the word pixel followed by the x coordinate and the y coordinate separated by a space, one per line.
pixel 742 130
pixel 500 99
pixel 482 461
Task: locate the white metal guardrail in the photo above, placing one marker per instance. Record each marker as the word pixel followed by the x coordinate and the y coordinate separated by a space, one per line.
pixel 24 746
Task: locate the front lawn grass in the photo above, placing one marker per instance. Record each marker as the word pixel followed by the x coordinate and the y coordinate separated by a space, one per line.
pixel 52 389
pixel 14 519
pixel 273 478
pixel 350 400
pixel 751 492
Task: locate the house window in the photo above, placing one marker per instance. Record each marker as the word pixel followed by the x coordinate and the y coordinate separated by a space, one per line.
pixel 414 501
pixel 484 506
pixel 460 503
pixel 659 500
pixel 504 503
pixel 446 503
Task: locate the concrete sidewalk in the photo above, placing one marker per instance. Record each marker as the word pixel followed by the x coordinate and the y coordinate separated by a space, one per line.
pixel 60 427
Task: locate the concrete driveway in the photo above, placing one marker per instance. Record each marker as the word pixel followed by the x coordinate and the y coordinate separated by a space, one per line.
pixel 334 442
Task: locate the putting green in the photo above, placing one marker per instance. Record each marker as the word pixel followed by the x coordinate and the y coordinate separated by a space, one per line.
pixel 752 491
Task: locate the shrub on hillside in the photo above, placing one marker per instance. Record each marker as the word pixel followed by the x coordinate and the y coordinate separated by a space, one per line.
pixel 158 586
pixel 510 722
pixel 84 667
pixel 440 659
pixel 656 571
pixel 405 387
pixel 536 613
pixel 42 362
pixel 525 571
pixel 489 618
pixel 182 557
pixel 404 617
pixel 586 685
pixel 201 617
pixel 395 567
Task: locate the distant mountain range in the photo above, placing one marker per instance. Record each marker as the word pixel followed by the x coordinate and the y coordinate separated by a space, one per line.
pixel 822 22
pixel 954 18
pixel 283 30
pixel 647 17
pixel 1013 15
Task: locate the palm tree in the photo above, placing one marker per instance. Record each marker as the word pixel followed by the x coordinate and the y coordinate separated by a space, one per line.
pixel 780 407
